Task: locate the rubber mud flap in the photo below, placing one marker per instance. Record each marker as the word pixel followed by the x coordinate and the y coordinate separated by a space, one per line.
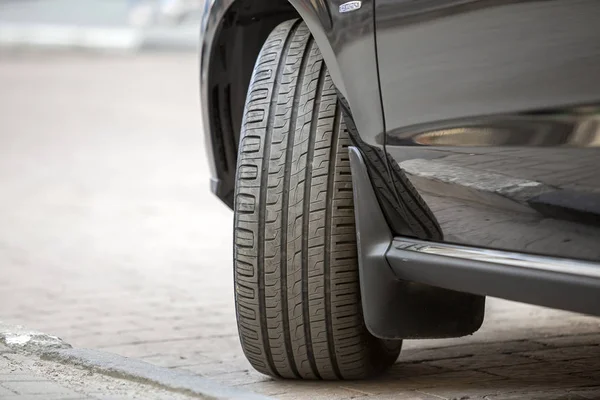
pixel 394 308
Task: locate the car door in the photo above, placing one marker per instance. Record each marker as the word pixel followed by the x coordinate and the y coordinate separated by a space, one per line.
pixel 490 109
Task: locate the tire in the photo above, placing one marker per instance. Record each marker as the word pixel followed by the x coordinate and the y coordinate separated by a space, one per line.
pixel 295 264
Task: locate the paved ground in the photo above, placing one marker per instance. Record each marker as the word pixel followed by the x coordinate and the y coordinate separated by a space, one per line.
pixel 24 377
pixel 110 239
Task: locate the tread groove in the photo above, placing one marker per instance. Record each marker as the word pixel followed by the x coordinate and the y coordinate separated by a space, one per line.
pixel 328 223
pixel 306 220
pixel 262 310
pixel 284 214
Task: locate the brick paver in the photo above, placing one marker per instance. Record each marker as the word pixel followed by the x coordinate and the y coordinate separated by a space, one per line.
pixel 110 239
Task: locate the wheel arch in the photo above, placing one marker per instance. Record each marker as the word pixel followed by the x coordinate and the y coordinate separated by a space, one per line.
pixel 233 32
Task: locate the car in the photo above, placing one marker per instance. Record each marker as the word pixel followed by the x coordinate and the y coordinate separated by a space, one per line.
pixel 391 163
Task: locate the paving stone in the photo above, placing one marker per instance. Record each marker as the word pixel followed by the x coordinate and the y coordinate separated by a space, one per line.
pixel 481 361
pixel 565 382
pixel 545 395
pixel 571 340
pixel 303 389
pixel 16 377
pixel 41 387
pixel 565 353
pixel 483 390
pixel 237 378
pixel 410 369
pixel 6 392
pixel 539 369
pixel 216 368
pixel 432 385
pixel 178 361
pixel 323 394
pixel 458 391
pixel 407 395
pixel 465 378
pixel 594 375
pixel 461 349
pixel 47 397
pixel 589 392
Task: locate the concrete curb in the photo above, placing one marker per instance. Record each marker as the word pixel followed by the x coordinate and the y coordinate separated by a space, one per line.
pixel 123 39
pixel 52 348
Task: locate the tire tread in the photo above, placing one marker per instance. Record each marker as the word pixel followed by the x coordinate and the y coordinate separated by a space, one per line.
pixel 295 262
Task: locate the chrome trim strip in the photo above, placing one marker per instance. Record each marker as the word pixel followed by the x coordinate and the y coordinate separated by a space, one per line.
pixel 528 261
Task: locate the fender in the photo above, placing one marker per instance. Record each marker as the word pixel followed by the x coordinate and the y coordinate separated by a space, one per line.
pixel 346 40
pixel 347 43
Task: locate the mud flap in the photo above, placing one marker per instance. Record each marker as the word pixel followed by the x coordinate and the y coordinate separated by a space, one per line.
pixel 394 308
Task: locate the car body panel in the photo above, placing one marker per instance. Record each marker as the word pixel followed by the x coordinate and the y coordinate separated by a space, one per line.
pixel 489 110
pixel 481 58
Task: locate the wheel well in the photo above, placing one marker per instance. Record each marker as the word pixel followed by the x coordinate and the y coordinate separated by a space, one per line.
pixel 245 27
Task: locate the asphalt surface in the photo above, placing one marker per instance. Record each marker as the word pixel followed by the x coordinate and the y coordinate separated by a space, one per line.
pixel 110 238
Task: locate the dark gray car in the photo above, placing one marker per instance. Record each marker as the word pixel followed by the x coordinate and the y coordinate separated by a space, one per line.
pixel 392 162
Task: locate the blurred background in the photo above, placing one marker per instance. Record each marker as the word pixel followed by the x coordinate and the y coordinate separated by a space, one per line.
pixel 101 24
pixel 109 236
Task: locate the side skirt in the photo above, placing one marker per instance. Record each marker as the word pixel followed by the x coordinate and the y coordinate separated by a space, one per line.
pixel 545 281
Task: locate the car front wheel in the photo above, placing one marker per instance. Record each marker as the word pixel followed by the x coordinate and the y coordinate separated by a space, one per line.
pixel 295 264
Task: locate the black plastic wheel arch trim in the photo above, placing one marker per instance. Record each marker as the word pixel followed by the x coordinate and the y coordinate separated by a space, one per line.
pixel 394 308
